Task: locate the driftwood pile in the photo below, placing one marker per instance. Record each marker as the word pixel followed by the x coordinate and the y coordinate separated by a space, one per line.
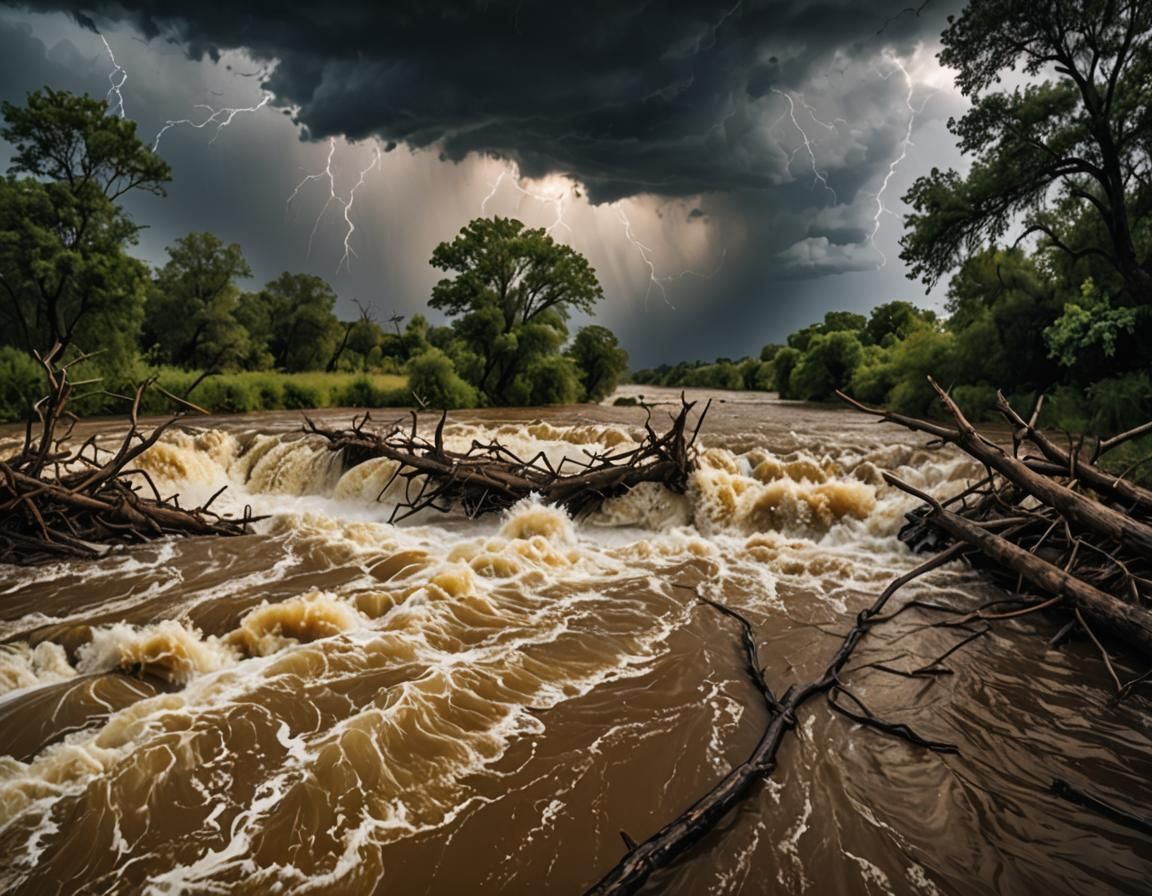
pixel 489 477
pixel 61 502
pixel 1048 523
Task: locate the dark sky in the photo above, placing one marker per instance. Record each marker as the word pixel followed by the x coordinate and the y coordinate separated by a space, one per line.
pixel 719 163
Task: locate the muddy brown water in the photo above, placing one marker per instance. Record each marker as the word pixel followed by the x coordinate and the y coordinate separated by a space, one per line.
pixel 339 705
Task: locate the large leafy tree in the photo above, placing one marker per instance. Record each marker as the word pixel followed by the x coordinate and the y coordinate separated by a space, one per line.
pixel 191 315
pixel 65 275
pixel 600 359
pixel 293 317
pixel 511 291
pixel 1070 156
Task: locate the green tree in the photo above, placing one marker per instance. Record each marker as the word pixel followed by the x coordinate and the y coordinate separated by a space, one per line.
pixel 191 314
pixel 432 377
pixel 1000 303
pixel 1049 152
pixel 827 365
pixel 511 292
pixel 784 365
pixel 893 321
pixel 292 317
pixel 600 360
pixel 65 274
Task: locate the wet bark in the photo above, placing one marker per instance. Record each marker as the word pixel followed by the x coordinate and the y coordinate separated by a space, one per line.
pixel 489 477
pixel 60 502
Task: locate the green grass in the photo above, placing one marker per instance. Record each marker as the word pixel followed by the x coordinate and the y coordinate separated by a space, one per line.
pixel 245 391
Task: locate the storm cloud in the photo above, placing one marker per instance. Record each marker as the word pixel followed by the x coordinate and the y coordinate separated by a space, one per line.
pixel 768 127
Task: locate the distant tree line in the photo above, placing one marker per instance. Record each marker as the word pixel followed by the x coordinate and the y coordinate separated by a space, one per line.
pixel 67 277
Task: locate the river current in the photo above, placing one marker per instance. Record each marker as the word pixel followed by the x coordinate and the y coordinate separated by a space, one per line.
pixel 335 704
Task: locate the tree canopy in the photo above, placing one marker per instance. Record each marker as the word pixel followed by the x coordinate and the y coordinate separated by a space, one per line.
pixel 64 269
pixel 1071 157
pixel 191 317
pixel 511 292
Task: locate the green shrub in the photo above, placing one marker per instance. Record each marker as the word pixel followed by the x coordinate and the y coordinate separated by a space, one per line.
pixel 226 395
pixel 299 397
pixel 978 402
pixel 22 384
pixel 360 393
pixel 269 392
pixel 433 377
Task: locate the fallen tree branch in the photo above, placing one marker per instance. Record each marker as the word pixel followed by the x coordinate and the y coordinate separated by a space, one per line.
pixel 58 502
pixel 489 477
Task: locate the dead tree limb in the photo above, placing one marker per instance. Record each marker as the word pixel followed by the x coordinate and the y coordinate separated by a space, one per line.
pixel 489 477
pixel 58 501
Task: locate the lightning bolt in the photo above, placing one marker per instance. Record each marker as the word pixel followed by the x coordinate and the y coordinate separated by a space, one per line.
pixel 555 200
pixel 812 113
pixel 495 186
pixel 349 252
pixel 654 280
pixel 220 117
pixel 333 196
pixel 817 173
pixel 881 209
pixel 117 72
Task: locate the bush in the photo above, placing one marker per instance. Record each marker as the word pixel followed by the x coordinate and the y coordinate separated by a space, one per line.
pixel 269 392
pixel 22 384
pixel 433 377
pixel 827 365
pixel 226 395
pixel 360 393
pixel 299 397
pixel 783 365
pixel 979 402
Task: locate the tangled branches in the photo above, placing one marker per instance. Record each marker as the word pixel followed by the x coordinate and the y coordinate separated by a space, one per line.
pixel 58 502
pixel 1053 527
pixel 489 477
pixel 1046 522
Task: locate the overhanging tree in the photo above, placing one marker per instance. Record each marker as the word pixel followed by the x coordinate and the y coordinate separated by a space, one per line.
pixel 511 291
pixel 1051 154
pixel 65 275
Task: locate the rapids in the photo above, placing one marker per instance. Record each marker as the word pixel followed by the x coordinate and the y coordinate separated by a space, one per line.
pixel 339 705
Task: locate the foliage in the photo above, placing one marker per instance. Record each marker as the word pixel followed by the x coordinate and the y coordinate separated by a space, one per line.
pixel 600 360
pixel 1052 153
pixel 292 319
pixel 511 294
pixel 784 365
pixel 64 269
pixel 1087 328
pixel 191 313
pixel 22 384
pixel 433 378
pixel 827 365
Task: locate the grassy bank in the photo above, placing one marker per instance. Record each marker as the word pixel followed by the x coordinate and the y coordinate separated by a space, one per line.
pixel 234 393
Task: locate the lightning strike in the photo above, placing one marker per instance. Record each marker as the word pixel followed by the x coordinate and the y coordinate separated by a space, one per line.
pixel 654 280
pixel 220 117
pixel 821 178
pixel 349 252
pixel 495 186
pixel 116 73
pixel 335 197
pixel 645 255
pixel 556 200
pixel 881 209
pixel 812 113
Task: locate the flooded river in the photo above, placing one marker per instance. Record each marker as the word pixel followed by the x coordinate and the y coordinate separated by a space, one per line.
pixel 335 704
